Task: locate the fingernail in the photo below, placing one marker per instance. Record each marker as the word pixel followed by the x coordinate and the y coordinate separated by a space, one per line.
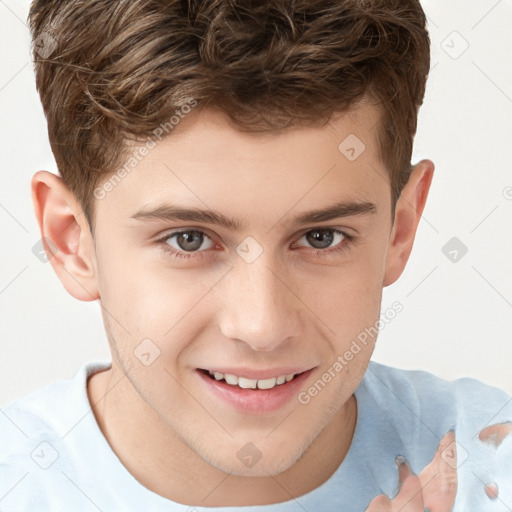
pixel 403 469
pixel 400 461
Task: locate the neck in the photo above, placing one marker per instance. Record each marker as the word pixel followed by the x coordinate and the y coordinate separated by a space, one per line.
pixel 164 464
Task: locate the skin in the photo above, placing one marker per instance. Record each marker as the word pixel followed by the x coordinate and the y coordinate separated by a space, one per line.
pixel 434 489
pixel 302 310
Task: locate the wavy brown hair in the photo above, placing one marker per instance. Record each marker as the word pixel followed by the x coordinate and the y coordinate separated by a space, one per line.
pixel 119 68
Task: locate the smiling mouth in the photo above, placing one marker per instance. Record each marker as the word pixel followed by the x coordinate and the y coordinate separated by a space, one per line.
pixel 244 383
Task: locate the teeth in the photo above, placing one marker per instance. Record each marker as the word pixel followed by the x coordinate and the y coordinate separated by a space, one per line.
pixel 231 379
pixel 267 383
pixel 244 383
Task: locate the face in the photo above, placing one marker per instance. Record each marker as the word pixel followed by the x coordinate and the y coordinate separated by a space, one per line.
pixel 278 278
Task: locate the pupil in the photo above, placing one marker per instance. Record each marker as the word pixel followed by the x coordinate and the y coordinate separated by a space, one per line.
pixel 319 235
pixel 190 243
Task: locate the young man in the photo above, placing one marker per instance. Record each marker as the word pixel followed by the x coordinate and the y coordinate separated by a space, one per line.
pixel 236 190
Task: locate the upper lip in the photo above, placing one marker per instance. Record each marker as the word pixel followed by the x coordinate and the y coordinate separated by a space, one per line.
pixel 267 373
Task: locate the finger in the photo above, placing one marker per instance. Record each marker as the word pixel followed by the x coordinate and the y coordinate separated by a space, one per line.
pixel 495 433
pixel 404 470
pixel 410 498
pixel 439 479
pixel 380 503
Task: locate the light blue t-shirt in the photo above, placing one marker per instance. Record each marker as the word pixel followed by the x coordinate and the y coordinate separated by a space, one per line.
pixel 54 457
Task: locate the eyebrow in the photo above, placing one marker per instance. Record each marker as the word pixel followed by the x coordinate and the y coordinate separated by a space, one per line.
pixel 172 213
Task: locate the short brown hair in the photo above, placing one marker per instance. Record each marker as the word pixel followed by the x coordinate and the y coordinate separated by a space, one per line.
pixel 121 68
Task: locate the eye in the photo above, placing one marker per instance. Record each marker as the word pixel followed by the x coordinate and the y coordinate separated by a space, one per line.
pixel 327 240
pixel 179 243
pixel 188 243
pixel 324 237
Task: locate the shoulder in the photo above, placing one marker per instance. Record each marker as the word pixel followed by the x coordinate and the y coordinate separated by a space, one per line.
pixel 423 393
pixel 33 429
pixel 50 409
pixel 30 416
pixel 418 409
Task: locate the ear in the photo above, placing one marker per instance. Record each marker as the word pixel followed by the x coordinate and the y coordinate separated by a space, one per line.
pixel 65 234
pixel 409 208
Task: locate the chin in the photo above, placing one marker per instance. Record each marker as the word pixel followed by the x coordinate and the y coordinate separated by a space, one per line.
pixel 274 464
pixel 261 468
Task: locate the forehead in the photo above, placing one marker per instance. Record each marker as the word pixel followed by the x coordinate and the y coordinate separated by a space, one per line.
pixel 209 162
pixel 210 132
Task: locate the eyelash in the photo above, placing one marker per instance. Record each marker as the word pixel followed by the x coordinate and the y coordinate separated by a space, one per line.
pixel 337 249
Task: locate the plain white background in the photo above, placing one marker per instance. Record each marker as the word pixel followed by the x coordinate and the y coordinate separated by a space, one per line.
pixel 457 315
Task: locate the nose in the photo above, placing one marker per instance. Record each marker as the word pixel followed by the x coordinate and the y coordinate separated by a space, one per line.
pixel 259 306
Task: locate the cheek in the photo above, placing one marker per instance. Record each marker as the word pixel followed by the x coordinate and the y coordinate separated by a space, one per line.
pixel 145 299
pixel 151 314
pixel 148 299
pixel 346 297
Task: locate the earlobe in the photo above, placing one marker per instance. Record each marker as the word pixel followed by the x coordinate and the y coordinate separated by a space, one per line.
pixel 409 209
pixel 65 234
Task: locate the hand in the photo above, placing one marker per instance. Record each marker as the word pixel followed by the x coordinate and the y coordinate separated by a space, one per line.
pixel 434 489
pixel 494 435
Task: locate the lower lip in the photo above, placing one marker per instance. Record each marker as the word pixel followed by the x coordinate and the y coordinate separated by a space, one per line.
pixel 256 401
